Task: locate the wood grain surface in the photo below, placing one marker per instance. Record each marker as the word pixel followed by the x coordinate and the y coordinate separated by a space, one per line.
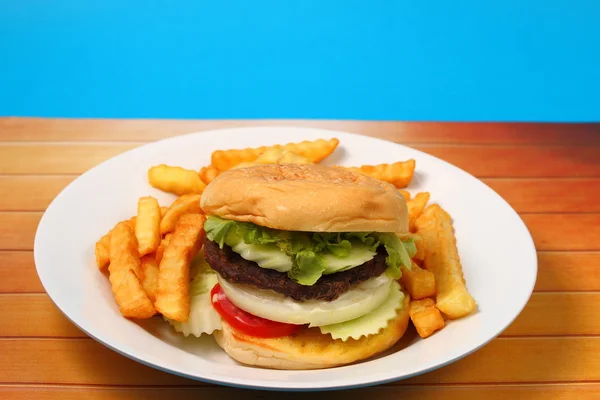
pixel 549 173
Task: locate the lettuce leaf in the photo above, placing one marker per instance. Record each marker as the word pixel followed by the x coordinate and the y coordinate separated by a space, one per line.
pixel 217 229
pixel 308 267
pixel 309 250
pixel 221 231
pixel 358 255
pixel 410 247
pixel 397 254
pixel 204 278
pixel 371 323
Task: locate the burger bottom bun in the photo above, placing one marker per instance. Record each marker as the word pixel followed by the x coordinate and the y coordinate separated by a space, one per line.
pixel 309 349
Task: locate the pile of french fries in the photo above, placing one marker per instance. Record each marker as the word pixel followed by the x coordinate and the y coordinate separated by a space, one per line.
pixel 148 257
pixel 181 181
pixel 435 283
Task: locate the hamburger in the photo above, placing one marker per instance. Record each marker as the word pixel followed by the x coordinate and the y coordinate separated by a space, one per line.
pixel 307 259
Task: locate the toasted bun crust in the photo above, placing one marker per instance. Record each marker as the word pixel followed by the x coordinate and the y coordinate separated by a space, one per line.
pixel 309 349
pixel 313 198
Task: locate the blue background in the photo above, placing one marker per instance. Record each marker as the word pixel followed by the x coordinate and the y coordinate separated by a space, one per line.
pixel 494 60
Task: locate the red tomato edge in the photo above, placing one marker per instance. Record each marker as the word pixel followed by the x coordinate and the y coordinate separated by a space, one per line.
pixel 245 322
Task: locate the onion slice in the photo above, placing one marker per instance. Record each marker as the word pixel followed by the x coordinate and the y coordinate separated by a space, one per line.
pixel 358 301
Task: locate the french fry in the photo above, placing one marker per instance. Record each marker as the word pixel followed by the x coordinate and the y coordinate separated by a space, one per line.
pixel 441 258
pixel 398 174
pixel 279 155
pixel 102 247
pixel 245 164
pixel 160 251
pixel 147 225
pixel 150 276
pixel 173 297
pixel 125 274
pixel 132 221
pixel 405 194
pixel 415 208
pixel 227 159
pixel 289 157
pixel 276 155
pixel 420 245
pixel 122 246
pixel 315 151
pixel 270 156
pixel 186 204
pixel 175 180
pixel 207 174
pixel 163 210
pixel 420 283
pixel 102 252
pixel 425 317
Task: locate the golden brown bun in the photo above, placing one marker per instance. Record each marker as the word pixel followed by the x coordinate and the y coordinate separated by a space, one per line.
pixel 309 349
pixel 296 197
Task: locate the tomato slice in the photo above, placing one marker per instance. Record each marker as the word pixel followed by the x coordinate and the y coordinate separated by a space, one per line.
pixel 246 322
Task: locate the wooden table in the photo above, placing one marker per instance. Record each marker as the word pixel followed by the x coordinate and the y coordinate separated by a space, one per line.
pixel 549 173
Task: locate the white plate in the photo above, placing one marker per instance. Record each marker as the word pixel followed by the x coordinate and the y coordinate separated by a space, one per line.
pixel 496 250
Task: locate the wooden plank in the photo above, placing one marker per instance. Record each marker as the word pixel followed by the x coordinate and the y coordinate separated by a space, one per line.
pixel 549 231
pixel 558 271
pixel 558 314
pixel 549 195
pixel 568 271
pixel 18 274
pixel 545 314
pixel 35 129
pixel 521 162
pixel 564 231
pixel 84 361
pixel 481 161
pixel 582 391
pixel 34 193
pixel 78 361
pixel 17 230
pixel 34 315
pixel 30 193
pixel 524 360
pixel 56 158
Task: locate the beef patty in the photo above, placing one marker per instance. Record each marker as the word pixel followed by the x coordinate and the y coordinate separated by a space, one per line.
pixel 232 267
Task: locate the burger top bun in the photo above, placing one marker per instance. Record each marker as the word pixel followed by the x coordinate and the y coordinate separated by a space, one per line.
pixel 309 349
pixel 306 197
